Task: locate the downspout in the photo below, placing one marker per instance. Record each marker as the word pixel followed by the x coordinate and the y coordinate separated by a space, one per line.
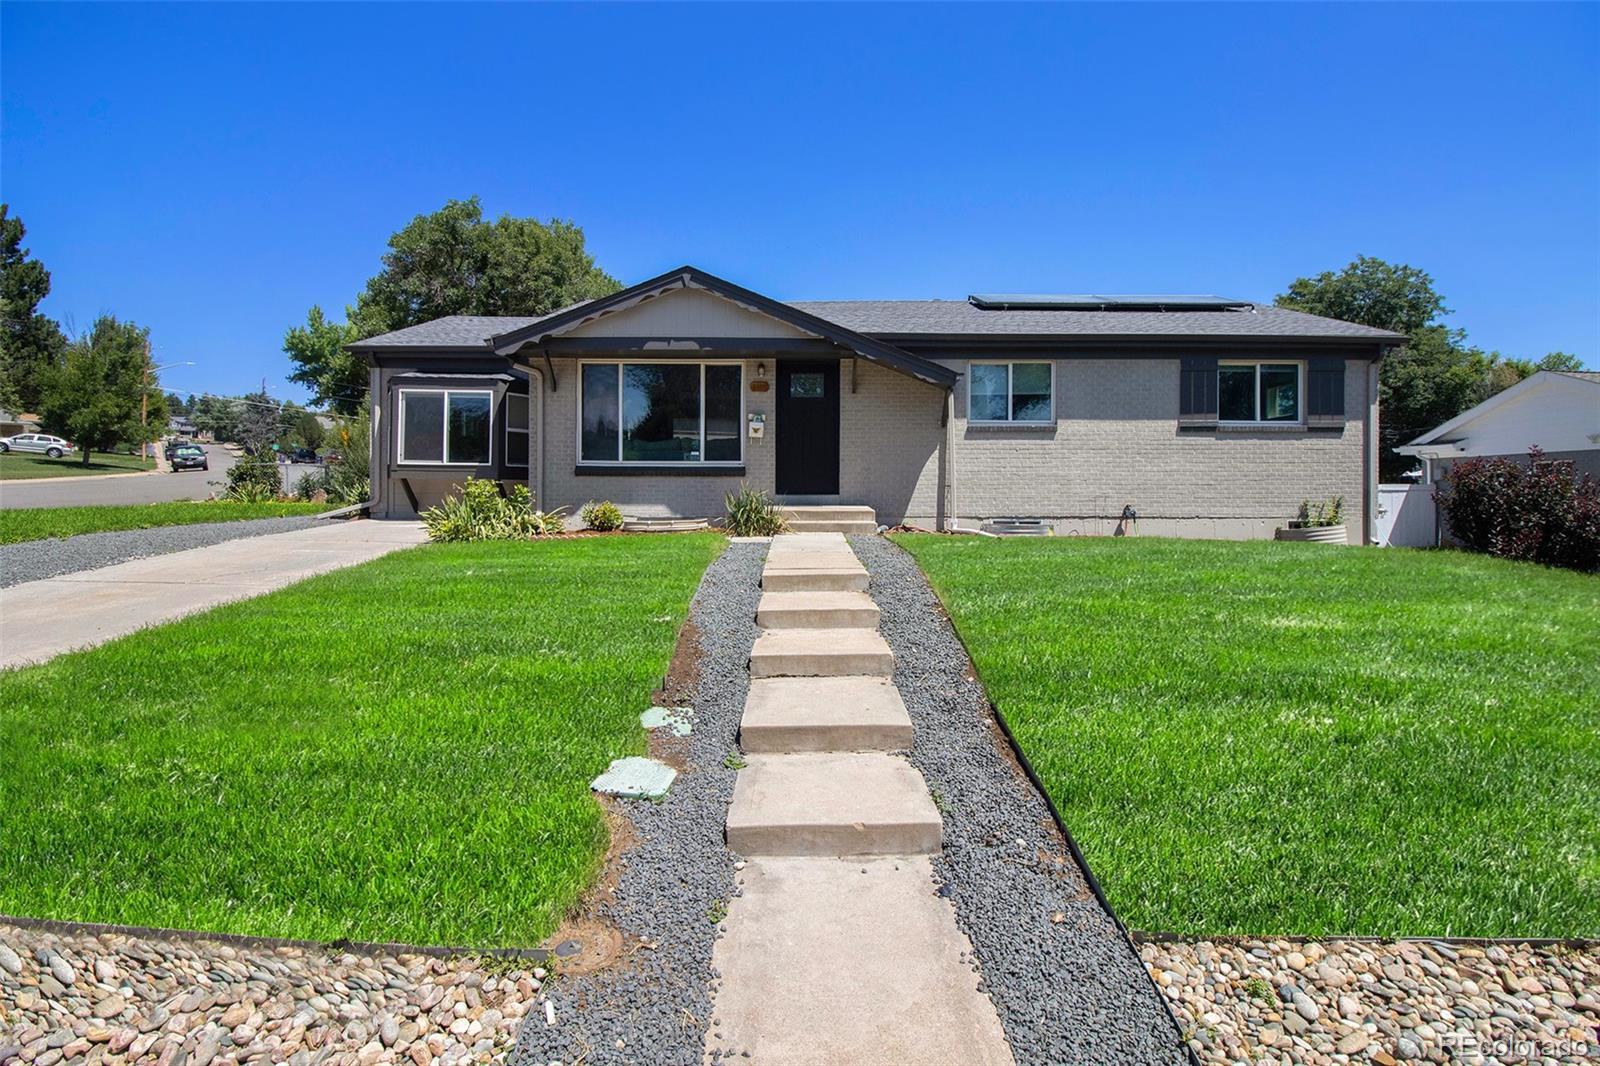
pixel 1369 471
pixel 536 469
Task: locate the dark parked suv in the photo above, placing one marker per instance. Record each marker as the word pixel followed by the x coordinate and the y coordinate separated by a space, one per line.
pixel 189 457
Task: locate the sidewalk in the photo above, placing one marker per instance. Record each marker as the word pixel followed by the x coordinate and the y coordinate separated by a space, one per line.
pixel 42 619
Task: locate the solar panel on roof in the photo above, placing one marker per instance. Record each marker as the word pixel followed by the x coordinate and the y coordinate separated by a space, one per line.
pixel 1103 302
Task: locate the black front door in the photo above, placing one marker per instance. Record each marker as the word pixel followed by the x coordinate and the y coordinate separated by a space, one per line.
pixel 808 429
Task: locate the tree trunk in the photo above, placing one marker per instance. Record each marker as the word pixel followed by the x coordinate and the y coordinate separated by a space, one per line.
pixel 85 451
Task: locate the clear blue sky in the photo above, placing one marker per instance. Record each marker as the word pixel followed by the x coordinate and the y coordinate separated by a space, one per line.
pixel 213 170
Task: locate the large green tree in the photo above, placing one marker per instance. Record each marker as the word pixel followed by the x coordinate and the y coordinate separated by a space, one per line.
pixel 1437 374
pixel 93 396
pixel 450 262
pixel 30 343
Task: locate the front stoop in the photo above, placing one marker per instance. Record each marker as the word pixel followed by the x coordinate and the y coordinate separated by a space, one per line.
pixel 817 610
pixel 830 805
pixel 821 653
pixel 831 519
pixel 786 714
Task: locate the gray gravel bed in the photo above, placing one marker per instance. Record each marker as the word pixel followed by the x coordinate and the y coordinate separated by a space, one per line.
pixel 1068 987
pixel 35 560
pixel 659 1004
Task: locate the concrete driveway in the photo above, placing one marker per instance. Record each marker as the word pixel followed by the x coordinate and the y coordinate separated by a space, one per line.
pixel 120 488
pixel 42 619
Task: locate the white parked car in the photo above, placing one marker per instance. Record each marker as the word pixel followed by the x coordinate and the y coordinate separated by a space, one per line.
pixel 54 447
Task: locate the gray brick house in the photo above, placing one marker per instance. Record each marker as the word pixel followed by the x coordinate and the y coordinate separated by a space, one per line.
pixel 1204 417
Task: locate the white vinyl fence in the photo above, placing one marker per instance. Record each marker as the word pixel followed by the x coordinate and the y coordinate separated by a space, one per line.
pixel 1406 516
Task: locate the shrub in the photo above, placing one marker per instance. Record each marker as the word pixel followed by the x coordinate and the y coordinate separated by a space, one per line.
pixel 752 513
pixel 480 512
pixel 602 517
pixel 1538 511
pixel 1317 515
pixel 254 479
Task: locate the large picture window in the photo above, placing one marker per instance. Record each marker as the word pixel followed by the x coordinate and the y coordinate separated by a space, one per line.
pixel 445 426
pixel 1258 392
pixel 1010 393
pixel 661 413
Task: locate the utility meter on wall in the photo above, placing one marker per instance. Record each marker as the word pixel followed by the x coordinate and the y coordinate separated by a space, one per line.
pixel 758 424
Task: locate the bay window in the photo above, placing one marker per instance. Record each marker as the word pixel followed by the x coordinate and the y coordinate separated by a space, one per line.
pixel 445 426
pixel 1010 393
pixel 1258 392
pixel 661 413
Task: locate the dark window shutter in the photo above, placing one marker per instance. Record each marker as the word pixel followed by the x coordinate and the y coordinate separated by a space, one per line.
pixel 1197 392
pixel 1325 392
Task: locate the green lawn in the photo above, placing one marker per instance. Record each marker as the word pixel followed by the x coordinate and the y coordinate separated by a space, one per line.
pixel 1273 738
pixel 37 523
pixel 400 750
pixel 16 466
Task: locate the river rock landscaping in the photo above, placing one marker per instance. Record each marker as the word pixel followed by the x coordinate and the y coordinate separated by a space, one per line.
pixel 1344 1001
pixel 85 998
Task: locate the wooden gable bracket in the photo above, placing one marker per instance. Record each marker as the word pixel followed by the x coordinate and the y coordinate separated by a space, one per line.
pixel 549 368
pixel 854 361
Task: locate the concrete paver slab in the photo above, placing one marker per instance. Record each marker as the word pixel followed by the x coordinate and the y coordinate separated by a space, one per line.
pixel 832 804
pixel 820 653
pixel 42 619
pixel 832 961
pixel 817 610
pixel 785 714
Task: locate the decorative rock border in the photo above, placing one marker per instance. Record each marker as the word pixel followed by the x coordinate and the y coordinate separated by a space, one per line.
pixel 70 998
pixel 1356 1001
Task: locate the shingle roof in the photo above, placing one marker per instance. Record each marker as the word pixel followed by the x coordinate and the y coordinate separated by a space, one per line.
pixel 1581 375
pixel 451 331
pixel 911 317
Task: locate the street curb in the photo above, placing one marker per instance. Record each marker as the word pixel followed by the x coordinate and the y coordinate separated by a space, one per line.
pixel 78 479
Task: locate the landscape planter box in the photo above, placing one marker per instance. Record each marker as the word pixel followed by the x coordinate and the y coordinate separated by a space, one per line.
pixel 1314 534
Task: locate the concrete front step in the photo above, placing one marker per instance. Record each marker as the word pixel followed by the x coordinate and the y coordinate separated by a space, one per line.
pixel 831 525
pixel 816 610
pixel 788 714
pixel 830 513
pixel 814 580
pixel 832 804
pixel 822 559
pixel 821 653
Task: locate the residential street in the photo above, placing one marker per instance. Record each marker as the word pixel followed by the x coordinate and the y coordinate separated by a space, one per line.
pixel 119 488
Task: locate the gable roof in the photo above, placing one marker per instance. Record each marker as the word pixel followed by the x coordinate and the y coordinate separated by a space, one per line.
pixel 689 277
pixel 1531 383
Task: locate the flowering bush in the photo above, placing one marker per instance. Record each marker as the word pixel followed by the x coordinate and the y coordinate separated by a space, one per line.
pixel 1539 511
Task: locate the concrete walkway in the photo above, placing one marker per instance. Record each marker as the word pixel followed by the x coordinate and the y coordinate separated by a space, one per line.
pixel 42 619
pixel 839 949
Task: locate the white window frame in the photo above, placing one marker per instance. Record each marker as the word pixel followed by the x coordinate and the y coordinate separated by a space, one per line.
pixel 702 462
pixel 400 427
pixel 512 427
pixel 1050 420
pixel 1255 391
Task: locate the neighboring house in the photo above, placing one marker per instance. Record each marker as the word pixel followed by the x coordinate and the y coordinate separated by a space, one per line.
pixel 180 426
pixel 1206 417
pixel 1557 410
pixel 13 423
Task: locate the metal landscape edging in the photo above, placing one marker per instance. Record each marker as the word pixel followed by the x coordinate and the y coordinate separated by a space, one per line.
pixel 1578 943
pixel 356 947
